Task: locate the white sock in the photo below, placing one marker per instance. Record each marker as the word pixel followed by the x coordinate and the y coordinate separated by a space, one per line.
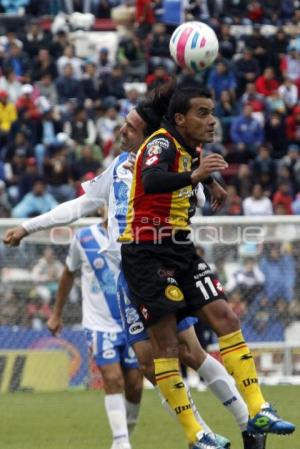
pixel 116 413
pixel 224 388
pixel 132 413
pixel 171 412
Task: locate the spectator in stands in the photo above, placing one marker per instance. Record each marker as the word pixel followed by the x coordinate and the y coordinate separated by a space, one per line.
pixel 255 11
pixel 226 111
pixel 289 93
pixel 221 78
pixel 17 59
pixel 107 124
pixel 293 126
pixel 247 134
pixel 227 42
pixel 26 105
pixel 70 58
pixel 59 42
pixel 189 78
pixel 103 64
pixel 19 145
pixel 132 56
pixel 87 163
pixel 59 175
pixel 46 273
pixel 275 134
pixel 9 83
pixel 233 204
pixel 246 70
pixel 258 203
pixel 144 16
pixel 43 63
pixel 90 83
pixel 243 180
pixel 292 162
pixel 266 84
pixel 36 202
pixel 284 198
pixel 8 114
pixel 248 279
pixel 28 178
pixel 80 128
pixel 296 204
pixel 34 40
pixel 257 101
pixel 262 325
pixel 263 164
pixel 278 266
pixel 159 49
pixel 13 7
pixel 260 46
pixel 129 102
pixel 279 43
pixel 112 85
pixel 47 88
pixel 68 88
pixel 158 77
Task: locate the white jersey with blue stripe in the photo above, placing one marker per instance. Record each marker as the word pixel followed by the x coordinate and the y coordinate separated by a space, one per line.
pixel 99 274
pixel 113 187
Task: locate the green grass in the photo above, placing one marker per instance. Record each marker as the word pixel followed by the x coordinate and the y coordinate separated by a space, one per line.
pixel 76 420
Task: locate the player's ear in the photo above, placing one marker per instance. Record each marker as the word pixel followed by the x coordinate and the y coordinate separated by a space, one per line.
pixel 179 119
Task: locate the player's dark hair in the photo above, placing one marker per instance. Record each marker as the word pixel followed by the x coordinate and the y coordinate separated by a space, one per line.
pixel 180 101
pixel 155 106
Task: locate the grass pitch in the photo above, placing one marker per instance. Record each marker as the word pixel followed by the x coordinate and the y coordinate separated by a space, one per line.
pixel 77 420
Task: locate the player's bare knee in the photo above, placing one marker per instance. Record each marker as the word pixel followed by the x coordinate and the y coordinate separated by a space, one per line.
pixel 147 368
pixel 113 383
pixel 228 321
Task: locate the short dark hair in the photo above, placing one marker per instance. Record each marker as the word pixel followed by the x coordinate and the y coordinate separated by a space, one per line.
pixel 155 106
pixel 180 100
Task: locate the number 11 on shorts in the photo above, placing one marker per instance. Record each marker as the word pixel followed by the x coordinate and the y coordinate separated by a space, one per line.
pixel 203 284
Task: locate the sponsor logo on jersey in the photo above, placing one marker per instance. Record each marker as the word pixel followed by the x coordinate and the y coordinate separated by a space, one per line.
pixel 109 354
pixel 153 150
pixel 202 266
pixel 174 293
pixel 136 328
pixel 131 315
pixel 161 142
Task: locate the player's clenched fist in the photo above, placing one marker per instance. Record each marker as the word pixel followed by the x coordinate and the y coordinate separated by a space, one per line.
pixel 14 236
pixel 54 324
pixel 208 165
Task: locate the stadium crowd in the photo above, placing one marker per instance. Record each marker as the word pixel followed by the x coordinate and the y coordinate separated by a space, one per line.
pixel 60 115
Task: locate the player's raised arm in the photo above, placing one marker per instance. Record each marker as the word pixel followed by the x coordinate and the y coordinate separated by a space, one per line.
pixel 97 194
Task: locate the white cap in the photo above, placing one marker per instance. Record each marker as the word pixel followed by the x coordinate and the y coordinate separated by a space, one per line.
pixel 27 89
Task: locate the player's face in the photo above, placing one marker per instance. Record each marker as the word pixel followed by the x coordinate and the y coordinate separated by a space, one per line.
pixel 198 124
pixel 132 132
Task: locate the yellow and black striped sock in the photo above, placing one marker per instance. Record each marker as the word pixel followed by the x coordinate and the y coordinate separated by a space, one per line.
pixel 171 385
pixel 239 362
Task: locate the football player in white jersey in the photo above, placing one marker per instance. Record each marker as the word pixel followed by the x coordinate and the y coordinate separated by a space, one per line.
pixel 112 187
pixel 102 324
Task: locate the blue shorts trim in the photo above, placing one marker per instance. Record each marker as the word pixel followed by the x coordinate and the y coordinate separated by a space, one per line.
pixel 110 347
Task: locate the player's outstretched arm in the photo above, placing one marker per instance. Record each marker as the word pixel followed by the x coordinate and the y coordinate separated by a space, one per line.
pixel 63 214
pixel 55 322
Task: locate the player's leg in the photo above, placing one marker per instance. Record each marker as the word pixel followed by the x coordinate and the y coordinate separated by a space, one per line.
pixel 204 291
pixel 104 348
pixel 133 378
pixel 219 382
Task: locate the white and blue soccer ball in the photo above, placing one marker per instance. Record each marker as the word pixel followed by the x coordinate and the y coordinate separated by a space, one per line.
pixel 194 45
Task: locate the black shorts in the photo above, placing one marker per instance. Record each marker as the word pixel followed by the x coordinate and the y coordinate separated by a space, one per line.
pixel 168 278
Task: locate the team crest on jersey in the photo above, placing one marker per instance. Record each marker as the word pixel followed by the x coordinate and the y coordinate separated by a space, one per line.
pixel 153 150
pixel 98 263
pixel 174 293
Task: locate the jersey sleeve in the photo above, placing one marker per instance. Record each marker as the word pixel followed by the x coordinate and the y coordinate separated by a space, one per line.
pixel 73 260
pixel 99 187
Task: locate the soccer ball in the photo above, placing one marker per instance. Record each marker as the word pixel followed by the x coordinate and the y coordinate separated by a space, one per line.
pixel 194 45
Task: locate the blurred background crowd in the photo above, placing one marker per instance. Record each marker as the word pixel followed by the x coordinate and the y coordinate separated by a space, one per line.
pixel 62 103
